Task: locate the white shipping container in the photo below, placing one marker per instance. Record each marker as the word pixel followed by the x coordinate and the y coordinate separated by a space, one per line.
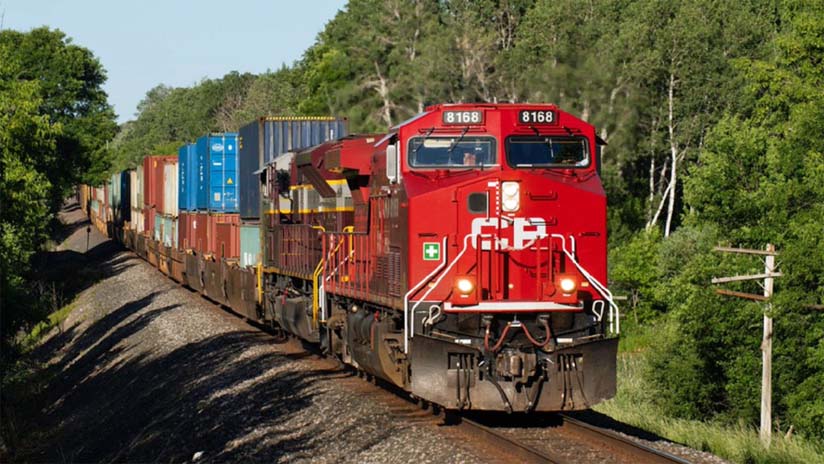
pixel 170 189
pixel 137 220
pixel 139 186
pixel 133 189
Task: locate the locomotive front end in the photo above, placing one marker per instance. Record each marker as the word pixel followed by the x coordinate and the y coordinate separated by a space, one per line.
pixel 507 306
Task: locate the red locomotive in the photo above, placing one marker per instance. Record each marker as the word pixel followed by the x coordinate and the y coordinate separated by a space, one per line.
pixel 461 256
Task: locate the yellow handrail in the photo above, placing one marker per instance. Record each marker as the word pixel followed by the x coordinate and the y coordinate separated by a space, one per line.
pixel 260 284
pixel 315 291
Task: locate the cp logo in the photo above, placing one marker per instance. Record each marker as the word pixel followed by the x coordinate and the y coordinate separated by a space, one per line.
pixel 521 232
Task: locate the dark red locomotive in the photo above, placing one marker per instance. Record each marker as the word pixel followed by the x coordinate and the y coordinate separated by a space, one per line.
pixel 461 257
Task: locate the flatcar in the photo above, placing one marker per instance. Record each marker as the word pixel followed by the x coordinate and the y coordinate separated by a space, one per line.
pixel 460 256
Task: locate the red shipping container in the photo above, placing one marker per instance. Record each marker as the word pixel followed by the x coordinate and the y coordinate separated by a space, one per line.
pixel 183 231
pixel 148 221
pixel 224 235
pixel 194 230
pixel 153 179
pixel 148 174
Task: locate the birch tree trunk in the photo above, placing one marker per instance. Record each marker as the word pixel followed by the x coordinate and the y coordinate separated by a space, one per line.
pixel 674 154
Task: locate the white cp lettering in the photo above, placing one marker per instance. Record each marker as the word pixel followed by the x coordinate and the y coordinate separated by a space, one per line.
pixel 524 232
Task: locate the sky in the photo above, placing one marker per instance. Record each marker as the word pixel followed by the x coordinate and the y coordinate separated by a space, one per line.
pixel 144 43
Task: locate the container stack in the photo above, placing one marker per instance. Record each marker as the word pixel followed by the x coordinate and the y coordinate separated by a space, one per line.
pixel 221 151
pixel 268 140
pixel 154 171
pixel 207 196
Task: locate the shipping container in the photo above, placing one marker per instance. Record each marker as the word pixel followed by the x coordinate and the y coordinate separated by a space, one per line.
pixel 193 231
pixel 223 235
pixel 148 221
pixel 217 173
pixel 170 192
pixel 249 245
pixel 134 190
pixel 119 195
pixel 137 223
pixel 187 177
pixel 153 182
pixel 140 188
pixel 148 182
pixel 157 234
pixel 170 232
pixel 157 186
pixel 266 139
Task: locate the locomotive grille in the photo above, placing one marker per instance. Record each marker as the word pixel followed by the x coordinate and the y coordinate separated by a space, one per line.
pixel 388 271
pixel 395 271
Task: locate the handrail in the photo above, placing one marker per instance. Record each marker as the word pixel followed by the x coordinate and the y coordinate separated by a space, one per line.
pixel 414 289
pixel 601 288
pixel 315 289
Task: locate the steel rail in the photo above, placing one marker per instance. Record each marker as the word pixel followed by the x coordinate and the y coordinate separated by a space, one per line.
pixel 520 452
pixel 612 440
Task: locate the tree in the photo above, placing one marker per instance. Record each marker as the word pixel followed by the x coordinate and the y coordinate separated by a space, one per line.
pixel 70 81
pixel 759 180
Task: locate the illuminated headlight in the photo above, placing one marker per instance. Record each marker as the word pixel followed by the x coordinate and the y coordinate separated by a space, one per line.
pixel 510 196
pixel 567 284
pixel 464 285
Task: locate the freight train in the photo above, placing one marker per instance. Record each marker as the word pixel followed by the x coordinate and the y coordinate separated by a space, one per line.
pixel 460 256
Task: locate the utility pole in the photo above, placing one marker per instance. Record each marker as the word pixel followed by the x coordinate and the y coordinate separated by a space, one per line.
pixel 766 352
pixel 769 275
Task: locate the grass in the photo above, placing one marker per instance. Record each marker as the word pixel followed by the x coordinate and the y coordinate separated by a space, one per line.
pixel 22 379
pixel 738 443
pixel 42 328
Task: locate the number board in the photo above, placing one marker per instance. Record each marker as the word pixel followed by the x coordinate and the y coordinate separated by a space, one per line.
pixel 463 118
pixel 537 117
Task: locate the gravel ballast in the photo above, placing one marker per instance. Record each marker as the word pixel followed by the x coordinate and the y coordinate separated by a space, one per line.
pixel 146 370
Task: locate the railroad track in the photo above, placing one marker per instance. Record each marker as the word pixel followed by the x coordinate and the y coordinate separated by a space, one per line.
pixel 620 448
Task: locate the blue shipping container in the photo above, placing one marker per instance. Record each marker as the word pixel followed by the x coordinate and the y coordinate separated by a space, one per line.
pixel 187 174
pixel 217 168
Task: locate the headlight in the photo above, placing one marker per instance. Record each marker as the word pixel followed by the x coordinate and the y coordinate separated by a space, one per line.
pixel 510 196
pixel 567 284
pixel 464 285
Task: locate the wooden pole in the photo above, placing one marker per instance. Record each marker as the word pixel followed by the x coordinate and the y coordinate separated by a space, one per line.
pixel 766 351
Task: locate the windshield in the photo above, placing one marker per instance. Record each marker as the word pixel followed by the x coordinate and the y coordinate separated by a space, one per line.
pixel 543 151
pixel 454 151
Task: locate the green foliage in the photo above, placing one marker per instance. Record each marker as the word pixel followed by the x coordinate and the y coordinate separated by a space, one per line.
pixel 736 442
pixel 634 271
pixel 169 117
pixel 758 180
pixel 54 119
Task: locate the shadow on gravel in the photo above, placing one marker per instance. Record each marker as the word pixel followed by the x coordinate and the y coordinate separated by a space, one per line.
pixel 85 258
pixel 199 398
